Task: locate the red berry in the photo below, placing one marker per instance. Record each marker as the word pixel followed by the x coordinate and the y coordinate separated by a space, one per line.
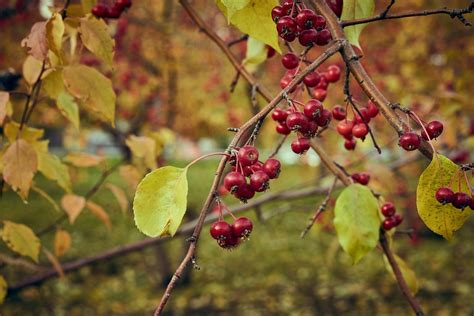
pixel 350 144
pixel 99 10
pixel 287 6
pixel 339 113
pixel 324 37
pixel 308 37
pixel 445 195
pixel 324 118
pixel 389 223
pixel 221 230
pixel 229 243
pixel 398 219
pixel 277 13
pixel 372 109
pixel 320 94
pixel 361 177
pixel 259 181
pixel 345 127
pixel 305 18
pixel 434 129
pixel 290 61
pixel 409 141
pixel 123 4
pixel 242 227
pixel 286 25
pixel 297 121
pixel 388 209
pixel 272 168
pixel 336 6
pixel 279 115
pixel 359 130
pixel 319 22
pixel 233 180
pixel 247 155
pixel 244 193
pixel 311 130
pixel 365 115
pixel 300 145
pixel 461 200
pixel 333 73
pixel 323 82
pixel 270 52
pixel 114 12
pixel 312 109
pixel 281 128
pixel 312 79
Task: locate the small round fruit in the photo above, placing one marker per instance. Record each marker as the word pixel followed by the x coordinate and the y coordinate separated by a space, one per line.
pixel 345 127
pixel 279 115
pixel 350 144
pixel 324 37
pixel 389 223
pixel 282 129
pixel 311 130
pixel 360 130
pixel 300 145
pixel 286 25
pixel 445 195
pixel 277 13
pixel 312 109
pixel 336 6
pixel 434 129
pixel 259 181
pixel 461 200
pixel 308 37
pixel 247 155
pixel 290 61
pixel 361 177
pixel 229 243
pixel 471 205
pixel 339 113
pixel 323 82
pixel 409 141
pixel 233 180
pixel 114 12
pixel 320 94
pixel 364 117
pixel 372 109
pixel 272 168
pixel 312 79
pixel 221 230
pixel 333 73
pixel 297 121
pixel 388 209
pixel 398 219
pixel 305 19
pixel 270 52
pixel 99 10
pixel 242 227
pixel 244 193
pixel 324 118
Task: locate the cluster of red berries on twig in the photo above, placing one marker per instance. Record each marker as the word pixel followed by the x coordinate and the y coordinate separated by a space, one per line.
pixel 101 10
pixel 357 127
pixel 459 200
pixel 245 164
pixel 392 219
pixel 230 235
pixel 361 177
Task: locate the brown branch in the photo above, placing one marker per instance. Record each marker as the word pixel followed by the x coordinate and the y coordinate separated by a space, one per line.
pixel 453 13
pixel 185 229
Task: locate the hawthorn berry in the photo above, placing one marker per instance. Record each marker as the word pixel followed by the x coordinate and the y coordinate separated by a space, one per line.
pixel 279 115
pixel 345 127
pixel 272 168
pixel 389 223
pixel 324 37
pixel 324 118
pixel 339 113
pixel 297 121
pixel 360 130
pixel 270 52
pixel 99 10
pixel 259 181
pixel 388 209
pixel 333 73
pixel 305 19
pixel 311 130
pixel 290 61
pixel 277 13
pixel 471 205
pixel 461 200
pixel 242 227
pixel 320 94
pixel 281 128
pixel 229 243
pixel 247 155
pixel 445 195
pixel 221 230
pixel 372 109
pixel 286 25
pixel 114 12
pixel 336 6
pixel 434 129
pixel 287 7
pixel 409 141
pixel 312 109
pixel 300 145
pixel 350 144
pixel 244 192
pixel 123 4
pixel 308 37
pixel 323 82
pixel 312 79
pixel 364 117
pixel 233 180
pixel 361 177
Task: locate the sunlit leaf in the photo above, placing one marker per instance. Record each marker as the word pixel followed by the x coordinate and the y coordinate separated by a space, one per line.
pixel 84 160
pixel 31 69
pixel 21 239
pixel 54 33
pixel 96 38
pixel 73 205
pixel 357 222
pixel 441 219
pixel 233 6
pixel 160 201
pixel 356 9
pixel 30 134
pixel 51 166
pixel 53 83
pixel 69 108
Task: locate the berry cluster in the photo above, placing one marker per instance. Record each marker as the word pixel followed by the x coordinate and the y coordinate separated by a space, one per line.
pixel 361 177
pixel 245 164
pixel 304 123
pixel 411 141
pixel 293 20
pixel 391 218
pixel 229 236
pixel 459 200
pixel 357 127
pixel 113 12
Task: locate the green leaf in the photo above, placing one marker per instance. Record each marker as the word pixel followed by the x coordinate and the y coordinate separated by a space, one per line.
pixel 160 201
pixel 408 274
pixel 357 221
pixel 96 38
pixel 254 19
pixel 3 289
pixel 21 239
pixel 234 6
pixel 69 108
pixel 356 9
pixel 54 33
pixel 441 219
pixel 256 52
pixel 93 89
pixel 52 168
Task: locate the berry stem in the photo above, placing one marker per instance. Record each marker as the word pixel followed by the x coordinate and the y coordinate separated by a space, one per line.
pixel 206 156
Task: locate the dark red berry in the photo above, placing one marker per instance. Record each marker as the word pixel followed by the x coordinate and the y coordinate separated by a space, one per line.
pixel 123 4
pixel 365 116
pixel 461 200
pixel 320 94
pixel 286 25
pixel 398 219
pixel 319 22
pixel 345 127
pixel 277 13
pixel 300 145
pixel 297 121
pixel 445 195
pixel 259 181
pixel 324 37
pixel 434 129
pixel 270 52
pixel 389 223
pixel 281 128
pixel 388 209
pixel 99 10
pixel 361 177
pixel 114 12
pixel 311 130
pixel 247 155
pixel 333 73
pixel 359 130
pixel 312 79
pixel 323 82
pixel 287 7
pixel 244 193
pixel 290 61
pixel 409 141
pixel 279 115
pixel 308 37
pixel 336 6
pixel 229 243
pixel 289 37
pixel 350 144
pixel 339 113
pixel 272 168
pixel 305 18
pixel 324 118
pixel 221 230
pixel 312 109
pixel 233 180
pixel 242 227
pixel 372 109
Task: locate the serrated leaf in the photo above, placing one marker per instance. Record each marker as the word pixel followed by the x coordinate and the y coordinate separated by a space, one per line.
pixel 357 222
pixel 51 166
pixel 20 163
pixel 73 205
pixel 21 239
pixel 83 160
pixel 68 108
pixel 96 38
pixel 4 99
pixel 441 219
pixel 408 274
pixel 255 20
pixel 356 9
pixel 3 289
pixel 93 89
pixel 256 52
pixel 99 212
pixel 120 196
pixel 62 242
pixel 144 148
pixel 36 41
pixel 54 33
pixel 160 201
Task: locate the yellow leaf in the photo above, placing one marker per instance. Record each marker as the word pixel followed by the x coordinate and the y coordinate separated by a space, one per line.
pixel 96 38
pixel 120 196
pixel 20 163
pixel 29 134
pixel 4 99
pixel 407 273
pixel 62 242
pixel 3 289
pixel 55 262
pixel 98 211
pixel 51 166
pixel 36 41
pixel 83 160
pixel 54 33
pixel 73 205
pixel 69 108
pixel 31 69
pixel 143 147
pixel 53 84
pixel 21 239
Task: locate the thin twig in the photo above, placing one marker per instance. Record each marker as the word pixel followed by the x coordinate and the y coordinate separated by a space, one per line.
pixel 385 12
pixel 278 146
pixel 238 40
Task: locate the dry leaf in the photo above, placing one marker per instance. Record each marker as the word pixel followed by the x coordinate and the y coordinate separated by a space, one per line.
pixel 73 205
pixel 83 159
pixel 36 41
pixel 119 195
pixel 131 175
pixel 55 262
pixel 98 211
pixel 62 242
pixel 20 163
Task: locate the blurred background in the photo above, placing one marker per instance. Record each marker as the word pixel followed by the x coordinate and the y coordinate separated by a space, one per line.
pixel 172 85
